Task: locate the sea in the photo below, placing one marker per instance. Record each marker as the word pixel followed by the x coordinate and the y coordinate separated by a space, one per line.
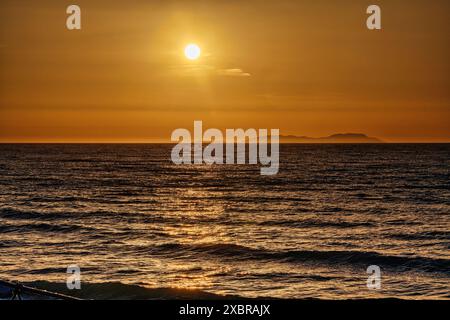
pixel 140 227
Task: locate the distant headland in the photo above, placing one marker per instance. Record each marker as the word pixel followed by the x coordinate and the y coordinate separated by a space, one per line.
pixel 335 138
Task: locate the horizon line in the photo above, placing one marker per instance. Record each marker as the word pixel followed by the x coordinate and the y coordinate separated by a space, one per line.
pixel 169 142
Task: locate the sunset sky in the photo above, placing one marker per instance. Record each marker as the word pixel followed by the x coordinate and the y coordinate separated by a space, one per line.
pixel 305 67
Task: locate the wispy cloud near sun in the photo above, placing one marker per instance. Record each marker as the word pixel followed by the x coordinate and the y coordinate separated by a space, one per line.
pixel 233 73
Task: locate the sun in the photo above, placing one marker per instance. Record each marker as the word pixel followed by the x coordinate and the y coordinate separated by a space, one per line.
pixel 192 51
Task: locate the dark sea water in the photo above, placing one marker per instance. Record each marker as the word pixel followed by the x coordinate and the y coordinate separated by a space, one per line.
pixel 136 223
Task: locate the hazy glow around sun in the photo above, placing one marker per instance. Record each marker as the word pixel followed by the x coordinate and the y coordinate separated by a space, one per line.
pixel 192 51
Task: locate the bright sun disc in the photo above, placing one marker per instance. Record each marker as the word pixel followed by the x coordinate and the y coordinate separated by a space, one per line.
pixel 192 51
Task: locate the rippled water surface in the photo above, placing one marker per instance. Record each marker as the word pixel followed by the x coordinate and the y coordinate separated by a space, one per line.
pixel 125 213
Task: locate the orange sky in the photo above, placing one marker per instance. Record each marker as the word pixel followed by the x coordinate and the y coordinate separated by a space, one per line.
pixel 305 67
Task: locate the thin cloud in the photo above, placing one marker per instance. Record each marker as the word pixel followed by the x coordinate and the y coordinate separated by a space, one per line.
pixel 233 73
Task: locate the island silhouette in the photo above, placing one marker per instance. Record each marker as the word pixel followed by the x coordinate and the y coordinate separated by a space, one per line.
pixel 335 138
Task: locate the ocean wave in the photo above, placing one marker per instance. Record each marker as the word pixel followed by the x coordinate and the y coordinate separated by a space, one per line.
pixel 146 218
pixel 43 227
pixel 121 291
pixel 9 243
pixel 344 258
pixel 9 213
pixel 315 223
pixel 15 214
pixel 431 235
